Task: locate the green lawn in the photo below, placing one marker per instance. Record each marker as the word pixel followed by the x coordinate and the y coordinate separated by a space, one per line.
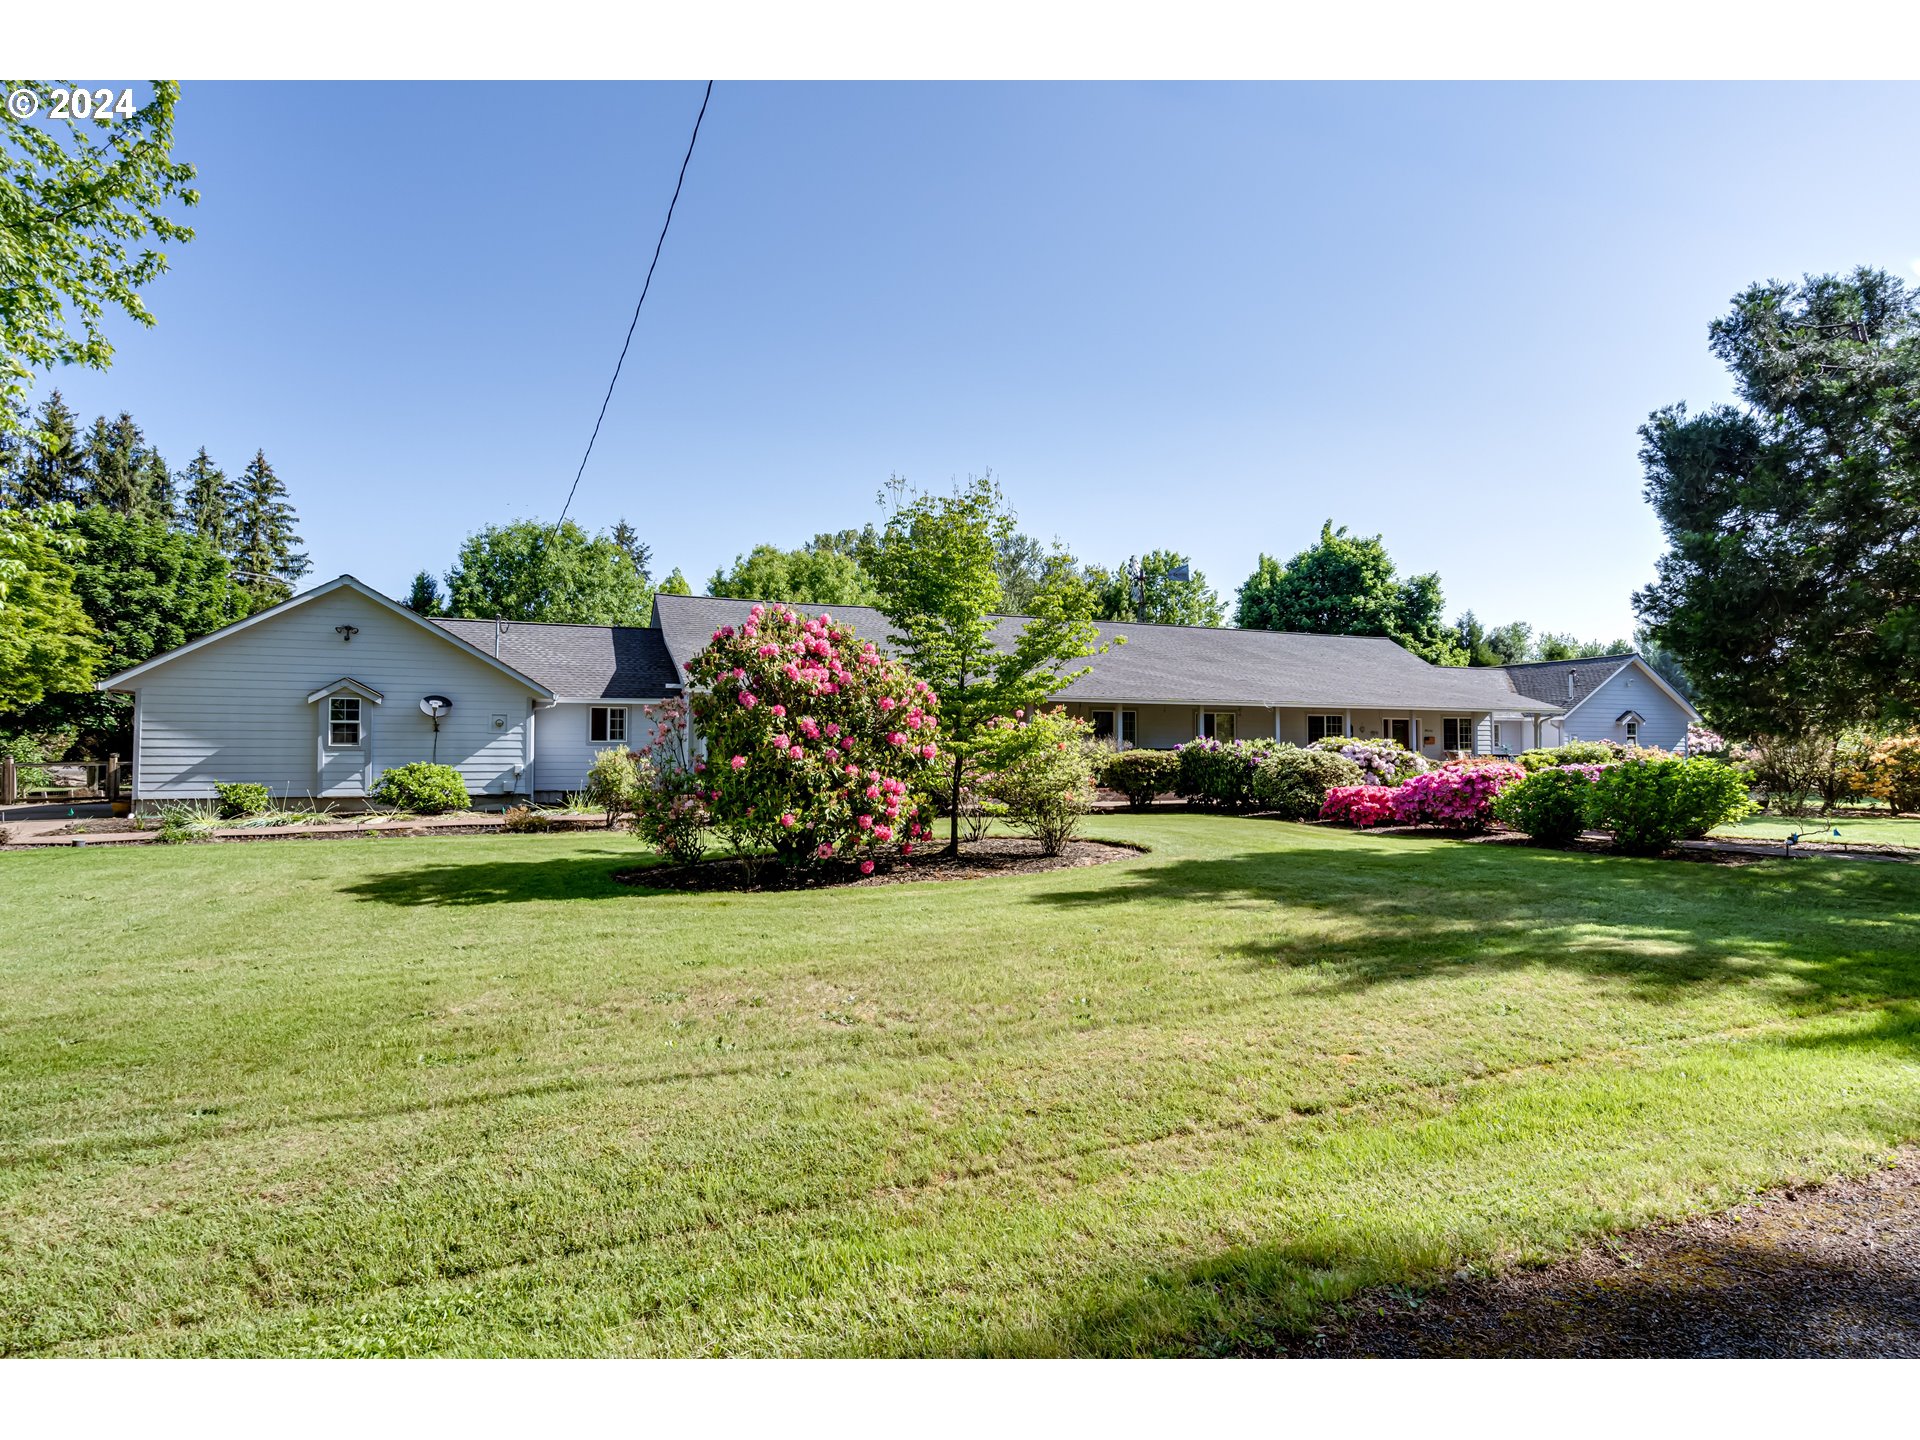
pixel 467 1095
pixel 1880 829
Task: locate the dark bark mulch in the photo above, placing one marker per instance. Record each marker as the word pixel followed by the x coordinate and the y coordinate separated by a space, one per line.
pixel 997 856
pixel 1826 1270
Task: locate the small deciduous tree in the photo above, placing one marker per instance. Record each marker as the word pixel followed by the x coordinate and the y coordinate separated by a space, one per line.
pixel 1347 585
pixel 46 641
pixel 1039 768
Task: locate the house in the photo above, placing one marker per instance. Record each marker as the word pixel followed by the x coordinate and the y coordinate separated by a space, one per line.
pixel 317 696
pixel 1609 697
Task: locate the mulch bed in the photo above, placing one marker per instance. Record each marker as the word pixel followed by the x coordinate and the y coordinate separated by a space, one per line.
pixel 997 856
pixel 1826 1270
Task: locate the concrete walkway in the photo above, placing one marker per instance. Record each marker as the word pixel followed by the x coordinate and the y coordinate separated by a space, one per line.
pixel 42 831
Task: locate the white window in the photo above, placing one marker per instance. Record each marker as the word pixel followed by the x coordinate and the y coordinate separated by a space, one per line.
pixel 1633 732
pixel 608 723
pixel 343 720
pixel 1321 726
pixel 1129 729
pixel 1456 732
pixel 1217 725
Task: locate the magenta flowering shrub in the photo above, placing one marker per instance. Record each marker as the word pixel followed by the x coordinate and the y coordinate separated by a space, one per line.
pixel 1361 805
pixel 815 741
pixel 1454 797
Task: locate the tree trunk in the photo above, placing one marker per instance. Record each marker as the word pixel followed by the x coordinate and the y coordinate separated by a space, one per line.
pixel 953 810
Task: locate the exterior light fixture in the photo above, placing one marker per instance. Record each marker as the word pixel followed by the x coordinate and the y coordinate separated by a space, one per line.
pixel 346 632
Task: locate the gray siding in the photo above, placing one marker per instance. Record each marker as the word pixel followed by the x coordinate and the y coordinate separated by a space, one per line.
pixel 562 751
pixel 1631 689
pixel 237 709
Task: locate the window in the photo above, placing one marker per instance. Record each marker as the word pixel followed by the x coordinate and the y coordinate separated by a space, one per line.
pixel 343 720
pixel 1217 725
pixel 1395 730
pixel 1633 732
pixel 1456 733
pixel 1104 728
pixel 608 723
pixel 1321 726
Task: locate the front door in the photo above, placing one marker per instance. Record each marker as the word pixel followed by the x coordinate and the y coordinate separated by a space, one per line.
pixel 1398 730
pixel 343 747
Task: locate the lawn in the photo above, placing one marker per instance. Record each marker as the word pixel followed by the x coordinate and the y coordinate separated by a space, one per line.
pixel 469 1096
pixel 1881 829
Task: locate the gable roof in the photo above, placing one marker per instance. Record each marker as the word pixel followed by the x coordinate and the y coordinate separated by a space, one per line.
pixel 1187 664
pixel 306 597
pixel 1547 679
pixel 579 662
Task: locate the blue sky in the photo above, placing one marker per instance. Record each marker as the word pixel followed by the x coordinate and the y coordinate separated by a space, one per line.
pixel 1199 317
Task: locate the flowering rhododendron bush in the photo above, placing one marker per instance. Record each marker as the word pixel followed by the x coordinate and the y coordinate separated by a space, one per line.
pixel 815 741
pixel 1361 805
pixel 1381 762
pixel 1454 797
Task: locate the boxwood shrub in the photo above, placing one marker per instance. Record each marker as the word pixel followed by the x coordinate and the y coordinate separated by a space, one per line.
pixel 238 801
pixel 1294 783
pixel 422 788
pixel 1141 775
pixel 1648 805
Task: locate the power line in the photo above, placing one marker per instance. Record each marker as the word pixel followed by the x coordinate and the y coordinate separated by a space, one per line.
pixel 647 285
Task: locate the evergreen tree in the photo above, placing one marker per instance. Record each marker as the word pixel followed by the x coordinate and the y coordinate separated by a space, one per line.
pixel 207 501
pixel 675 584
pixel 263 536
pixel 424 596
pixel 51 464
pixel 634 548
pixel 123 472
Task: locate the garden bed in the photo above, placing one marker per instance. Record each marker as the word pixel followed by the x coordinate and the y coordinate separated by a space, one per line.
pixel 995 856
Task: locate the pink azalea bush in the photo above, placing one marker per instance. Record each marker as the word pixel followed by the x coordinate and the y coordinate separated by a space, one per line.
pixel 1361 805
pixel 1456 796
pixel 815 741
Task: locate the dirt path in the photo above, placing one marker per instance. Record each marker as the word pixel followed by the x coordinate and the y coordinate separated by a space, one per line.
pixel 1829 1270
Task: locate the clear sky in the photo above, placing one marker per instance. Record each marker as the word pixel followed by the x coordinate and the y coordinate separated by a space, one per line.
pixel 1197 317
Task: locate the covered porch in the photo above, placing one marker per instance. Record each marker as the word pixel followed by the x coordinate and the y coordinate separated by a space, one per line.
pixel 1434 734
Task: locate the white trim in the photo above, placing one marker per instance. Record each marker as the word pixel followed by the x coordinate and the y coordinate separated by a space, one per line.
pixel 1653 675
pixel 347 682
pixel 608 700
pixel 342 582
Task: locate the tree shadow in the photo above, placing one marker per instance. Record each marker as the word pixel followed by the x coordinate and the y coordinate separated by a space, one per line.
pixel 1355 920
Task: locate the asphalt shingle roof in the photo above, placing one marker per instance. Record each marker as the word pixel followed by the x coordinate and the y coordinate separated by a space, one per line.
pixel 613 662
pixel 1180 664
pixel 1547 679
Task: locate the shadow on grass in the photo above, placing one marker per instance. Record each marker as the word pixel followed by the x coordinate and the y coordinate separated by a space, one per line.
pixel 576 876
pixel 1360 918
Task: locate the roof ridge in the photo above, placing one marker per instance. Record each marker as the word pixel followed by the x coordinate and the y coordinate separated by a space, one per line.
pixel 1571 660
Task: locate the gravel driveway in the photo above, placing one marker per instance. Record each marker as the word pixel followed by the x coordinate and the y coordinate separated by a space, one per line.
pixel 1826 1270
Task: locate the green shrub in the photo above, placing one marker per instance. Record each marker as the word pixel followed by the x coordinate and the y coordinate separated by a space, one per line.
pixel 31 753
pixel 186 821
pixel 237 801
pixel 525 820
pixel 1294 783
pixel 1041 768
pixel 1648 805
pixel 1550 805
pixel 1220 776
pixel 1141 775
pixel 422 788
pixel 1574 752
pixel 614 781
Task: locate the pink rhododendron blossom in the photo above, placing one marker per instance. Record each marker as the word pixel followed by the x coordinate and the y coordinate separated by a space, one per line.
pixel 866 867
pixel 787 821
pixel 739 762
pixel 747 701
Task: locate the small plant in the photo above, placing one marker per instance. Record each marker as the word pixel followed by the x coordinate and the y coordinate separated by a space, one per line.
pixel 1294 783
pixel 1549 805
pixel 238 801
pixel 6 835
pixel 1648 805
pixel 1141 775
pixel 525 820
pixel 422 788
pixel 1040 767
pixel 613 782
pixel 1890 771
pixel 185 822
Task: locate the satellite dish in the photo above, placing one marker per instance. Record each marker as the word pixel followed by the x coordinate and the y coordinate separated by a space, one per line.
pixel 436 706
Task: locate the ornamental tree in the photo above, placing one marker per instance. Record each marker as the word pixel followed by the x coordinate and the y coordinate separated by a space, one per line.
pixel 815 741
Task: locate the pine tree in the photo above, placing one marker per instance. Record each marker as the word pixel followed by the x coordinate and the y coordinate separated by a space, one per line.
pixel 51 464
pixel 637 550
pixel 263 535
pixel 207 501
pixel 424 597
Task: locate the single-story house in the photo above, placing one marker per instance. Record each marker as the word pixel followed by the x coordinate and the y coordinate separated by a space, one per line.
pixel 317 696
